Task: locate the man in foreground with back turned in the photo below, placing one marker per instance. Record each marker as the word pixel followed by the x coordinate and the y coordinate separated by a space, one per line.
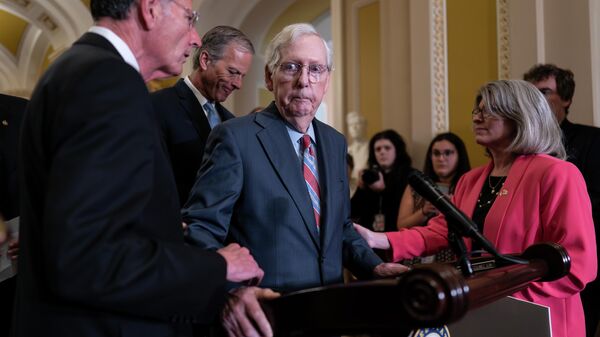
pixel 102 251
pixel 276 182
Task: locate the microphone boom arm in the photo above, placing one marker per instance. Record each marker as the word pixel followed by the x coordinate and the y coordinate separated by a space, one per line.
pixel 459 224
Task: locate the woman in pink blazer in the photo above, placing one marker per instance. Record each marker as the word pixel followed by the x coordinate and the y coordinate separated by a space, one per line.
pixel 526 194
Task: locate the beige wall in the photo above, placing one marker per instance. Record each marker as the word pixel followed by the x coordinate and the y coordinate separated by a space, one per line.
pixel 376 38
pixel 367 49
pixel 472 61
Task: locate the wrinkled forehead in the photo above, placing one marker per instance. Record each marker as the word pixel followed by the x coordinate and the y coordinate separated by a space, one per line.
pixel 305 49
pixel 546 82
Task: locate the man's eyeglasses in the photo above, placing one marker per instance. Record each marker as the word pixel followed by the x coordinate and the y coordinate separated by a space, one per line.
pixel 291 70
pixel 445 153
pixel 483 113
pixel 191 15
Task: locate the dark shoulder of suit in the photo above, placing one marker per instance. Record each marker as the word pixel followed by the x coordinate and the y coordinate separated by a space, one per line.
pixel 582 143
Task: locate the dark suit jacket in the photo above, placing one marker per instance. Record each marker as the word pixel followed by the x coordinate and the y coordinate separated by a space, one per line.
pixel 250 190
pixel 185 129
pixel 583 149
pixel 102 251
pixel 11 114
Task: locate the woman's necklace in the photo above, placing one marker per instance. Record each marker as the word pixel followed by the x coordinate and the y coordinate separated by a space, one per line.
pixel 485 199
pixel 500 181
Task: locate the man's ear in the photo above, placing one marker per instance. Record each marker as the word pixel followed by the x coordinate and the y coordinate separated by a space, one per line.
pixel 268 78
pixel 203 60
pixel 149 12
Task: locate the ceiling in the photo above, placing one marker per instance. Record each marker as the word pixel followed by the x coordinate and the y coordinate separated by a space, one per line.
pixel 32 34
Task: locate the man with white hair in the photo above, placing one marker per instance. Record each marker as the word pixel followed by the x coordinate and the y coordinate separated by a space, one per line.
pixel 276 183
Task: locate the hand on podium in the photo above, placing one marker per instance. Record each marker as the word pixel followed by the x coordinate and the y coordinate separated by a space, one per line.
pixel 243 315
pixel 383 270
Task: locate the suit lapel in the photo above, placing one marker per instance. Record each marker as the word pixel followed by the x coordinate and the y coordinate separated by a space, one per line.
pixel 275 141
pixel 194 110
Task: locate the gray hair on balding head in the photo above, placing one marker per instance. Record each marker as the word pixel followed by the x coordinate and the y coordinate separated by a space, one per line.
pixel 287 36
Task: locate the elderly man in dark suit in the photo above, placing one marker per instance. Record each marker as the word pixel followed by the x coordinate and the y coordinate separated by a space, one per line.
pixel 582 143
pixel 190 109
pixel 102 250
pixel 276 182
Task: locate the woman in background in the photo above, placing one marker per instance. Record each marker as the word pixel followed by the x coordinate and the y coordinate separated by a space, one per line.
pixel 446 161
pixel 377 198
pixel 527 194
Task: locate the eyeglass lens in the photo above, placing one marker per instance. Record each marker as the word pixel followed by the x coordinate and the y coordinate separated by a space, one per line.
pixel 445 153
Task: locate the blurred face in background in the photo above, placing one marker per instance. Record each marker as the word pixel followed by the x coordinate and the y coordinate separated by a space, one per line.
pixel 444 158
pixel 559 106
pixel 385 154
pixel 356 128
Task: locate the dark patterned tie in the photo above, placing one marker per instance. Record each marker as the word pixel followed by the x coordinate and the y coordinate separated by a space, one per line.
pixel 311 177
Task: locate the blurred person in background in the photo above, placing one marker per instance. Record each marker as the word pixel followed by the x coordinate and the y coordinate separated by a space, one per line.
pixel 446 161
pixel 377 199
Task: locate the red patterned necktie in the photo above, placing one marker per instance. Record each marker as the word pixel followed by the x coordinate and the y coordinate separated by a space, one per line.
pixel 309 168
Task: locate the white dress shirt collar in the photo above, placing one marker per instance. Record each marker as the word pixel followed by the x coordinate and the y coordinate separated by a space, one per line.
pixel 119 45
pixel 198 95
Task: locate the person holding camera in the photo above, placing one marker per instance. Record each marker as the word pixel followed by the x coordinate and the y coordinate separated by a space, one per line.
pixel 376 201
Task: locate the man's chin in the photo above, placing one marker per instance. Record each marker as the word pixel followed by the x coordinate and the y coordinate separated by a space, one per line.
pixel 160 74
pixel 301 110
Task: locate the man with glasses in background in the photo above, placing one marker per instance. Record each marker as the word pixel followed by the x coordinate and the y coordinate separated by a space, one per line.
pixel 582 143
pixel 102 251
pixel 190 109
pixel 276 183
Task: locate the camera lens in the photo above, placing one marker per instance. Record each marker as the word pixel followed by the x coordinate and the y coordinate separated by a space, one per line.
pixel 370 176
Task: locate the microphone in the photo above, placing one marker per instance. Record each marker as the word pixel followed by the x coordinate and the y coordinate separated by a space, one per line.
pixel 456 219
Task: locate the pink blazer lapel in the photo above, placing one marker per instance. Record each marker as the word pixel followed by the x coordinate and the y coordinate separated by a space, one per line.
pixel 495 218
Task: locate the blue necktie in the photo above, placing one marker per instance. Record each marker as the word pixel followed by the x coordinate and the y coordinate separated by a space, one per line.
pixel 211 114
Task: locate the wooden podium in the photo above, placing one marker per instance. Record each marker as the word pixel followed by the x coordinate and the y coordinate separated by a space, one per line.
pixel 426 297
pixel 508 316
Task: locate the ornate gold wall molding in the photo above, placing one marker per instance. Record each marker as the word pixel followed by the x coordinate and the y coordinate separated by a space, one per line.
pixel 503 24
pixel 439 67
